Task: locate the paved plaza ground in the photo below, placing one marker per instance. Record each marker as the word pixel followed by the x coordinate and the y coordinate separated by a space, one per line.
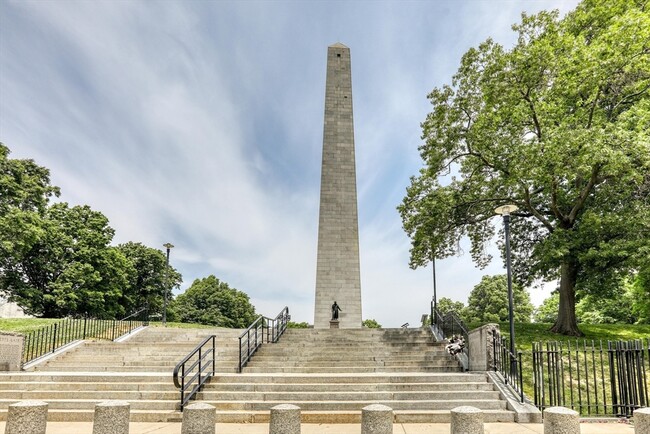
pixel 262 428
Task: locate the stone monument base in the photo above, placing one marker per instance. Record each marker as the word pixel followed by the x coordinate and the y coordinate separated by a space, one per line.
pixel 334 324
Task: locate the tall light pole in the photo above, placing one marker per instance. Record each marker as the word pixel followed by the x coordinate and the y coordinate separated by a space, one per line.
pixel 434 314
pixel 505 211
pixel 168 246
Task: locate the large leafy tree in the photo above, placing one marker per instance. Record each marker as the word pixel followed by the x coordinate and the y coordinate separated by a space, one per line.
pixel 67 267
pixel 211 301
pixel 488 301
pixel 24 185
pixel 148 279
pixel 559 125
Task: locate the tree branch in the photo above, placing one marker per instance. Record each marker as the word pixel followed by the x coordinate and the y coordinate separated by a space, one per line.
pixel 584 194
pixel 547 224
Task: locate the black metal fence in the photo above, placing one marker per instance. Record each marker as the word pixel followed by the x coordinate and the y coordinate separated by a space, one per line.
pixel 48 339
pixel 592 378
pixel 508 364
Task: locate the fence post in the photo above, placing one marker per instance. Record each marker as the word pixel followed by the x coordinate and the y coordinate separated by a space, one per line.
pixel 54 336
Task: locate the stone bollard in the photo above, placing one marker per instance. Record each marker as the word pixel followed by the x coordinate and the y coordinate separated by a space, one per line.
pixel 561 420
pixel 466 420
pixel 27 417
pixel 376 419
pixel 112 417
pixel 285 419
pixel 641 420
pixel 199 418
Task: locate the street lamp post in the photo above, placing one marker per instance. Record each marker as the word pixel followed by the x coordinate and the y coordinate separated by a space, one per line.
pixel 168 246
pixel 434 314
pixel 505 211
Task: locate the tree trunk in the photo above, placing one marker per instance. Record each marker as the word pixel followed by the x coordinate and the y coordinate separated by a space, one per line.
pixel 566 322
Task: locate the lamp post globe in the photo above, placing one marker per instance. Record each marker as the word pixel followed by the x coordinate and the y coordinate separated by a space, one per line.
pixel 166 285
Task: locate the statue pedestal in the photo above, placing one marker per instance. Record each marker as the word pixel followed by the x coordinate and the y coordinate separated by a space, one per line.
pixel 334 324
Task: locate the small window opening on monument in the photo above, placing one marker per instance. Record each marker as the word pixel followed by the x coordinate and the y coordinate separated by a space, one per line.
pixel 338 54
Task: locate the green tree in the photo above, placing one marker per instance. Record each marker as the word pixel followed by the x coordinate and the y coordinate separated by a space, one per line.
pixel 24 185
pixel 147 280
pixel 446 305
pixel 547 311
pixel 641 295
pixel 67 267
pixel 488 301
pixel 614 306
pixel 371 324
pixel 298 325
pixel 210 301
pixel 559 126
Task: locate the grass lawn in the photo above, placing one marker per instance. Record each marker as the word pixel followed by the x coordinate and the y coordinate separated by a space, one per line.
pixel 594 387
pixel 24 325
pixel 526 334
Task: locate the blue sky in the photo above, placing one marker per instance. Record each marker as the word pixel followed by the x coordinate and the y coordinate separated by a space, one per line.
pixel 200 123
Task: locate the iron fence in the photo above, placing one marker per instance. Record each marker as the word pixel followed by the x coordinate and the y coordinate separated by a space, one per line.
pixel 592 378
pixel 508 364
pixel 48 339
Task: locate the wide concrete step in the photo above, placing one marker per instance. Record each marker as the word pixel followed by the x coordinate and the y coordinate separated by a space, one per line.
pixel 342 405
pixel 169 394
pixel 89 404
pixel 371 378
pixel 351 369
pixel 349 387
pixel 345 396
pixel 87 386
pixel 119 368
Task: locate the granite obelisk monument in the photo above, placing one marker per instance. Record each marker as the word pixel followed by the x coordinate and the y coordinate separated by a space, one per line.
pixel 337 269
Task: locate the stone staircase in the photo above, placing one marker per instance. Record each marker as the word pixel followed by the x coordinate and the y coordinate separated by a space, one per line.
pixel 138 370
pixel 330 374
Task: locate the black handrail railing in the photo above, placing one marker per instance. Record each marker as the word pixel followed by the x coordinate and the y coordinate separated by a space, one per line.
pixel 253 337
pixel 250 341
pixel 46 340
pixel 277 326
pixel 192 369
pixel 507 364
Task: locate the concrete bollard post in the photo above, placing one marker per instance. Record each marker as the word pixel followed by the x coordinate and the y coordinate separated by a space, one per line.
pixel 285 419
pixel 376 419
pixel 27 417
pixel 641 420
pixel 466 420
pixel 112 417
pixel 561 420
pixel 199 418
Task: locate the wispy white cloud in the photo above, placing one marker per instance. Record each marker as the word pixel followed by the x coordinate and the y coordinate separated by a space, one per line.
pixel 201 124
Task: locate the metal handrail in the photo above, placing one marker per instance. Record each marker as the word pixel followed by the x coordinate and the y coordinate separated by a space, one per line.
pixel 196 376
pixel 253 337
pixel 279 325
pixel 250 340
